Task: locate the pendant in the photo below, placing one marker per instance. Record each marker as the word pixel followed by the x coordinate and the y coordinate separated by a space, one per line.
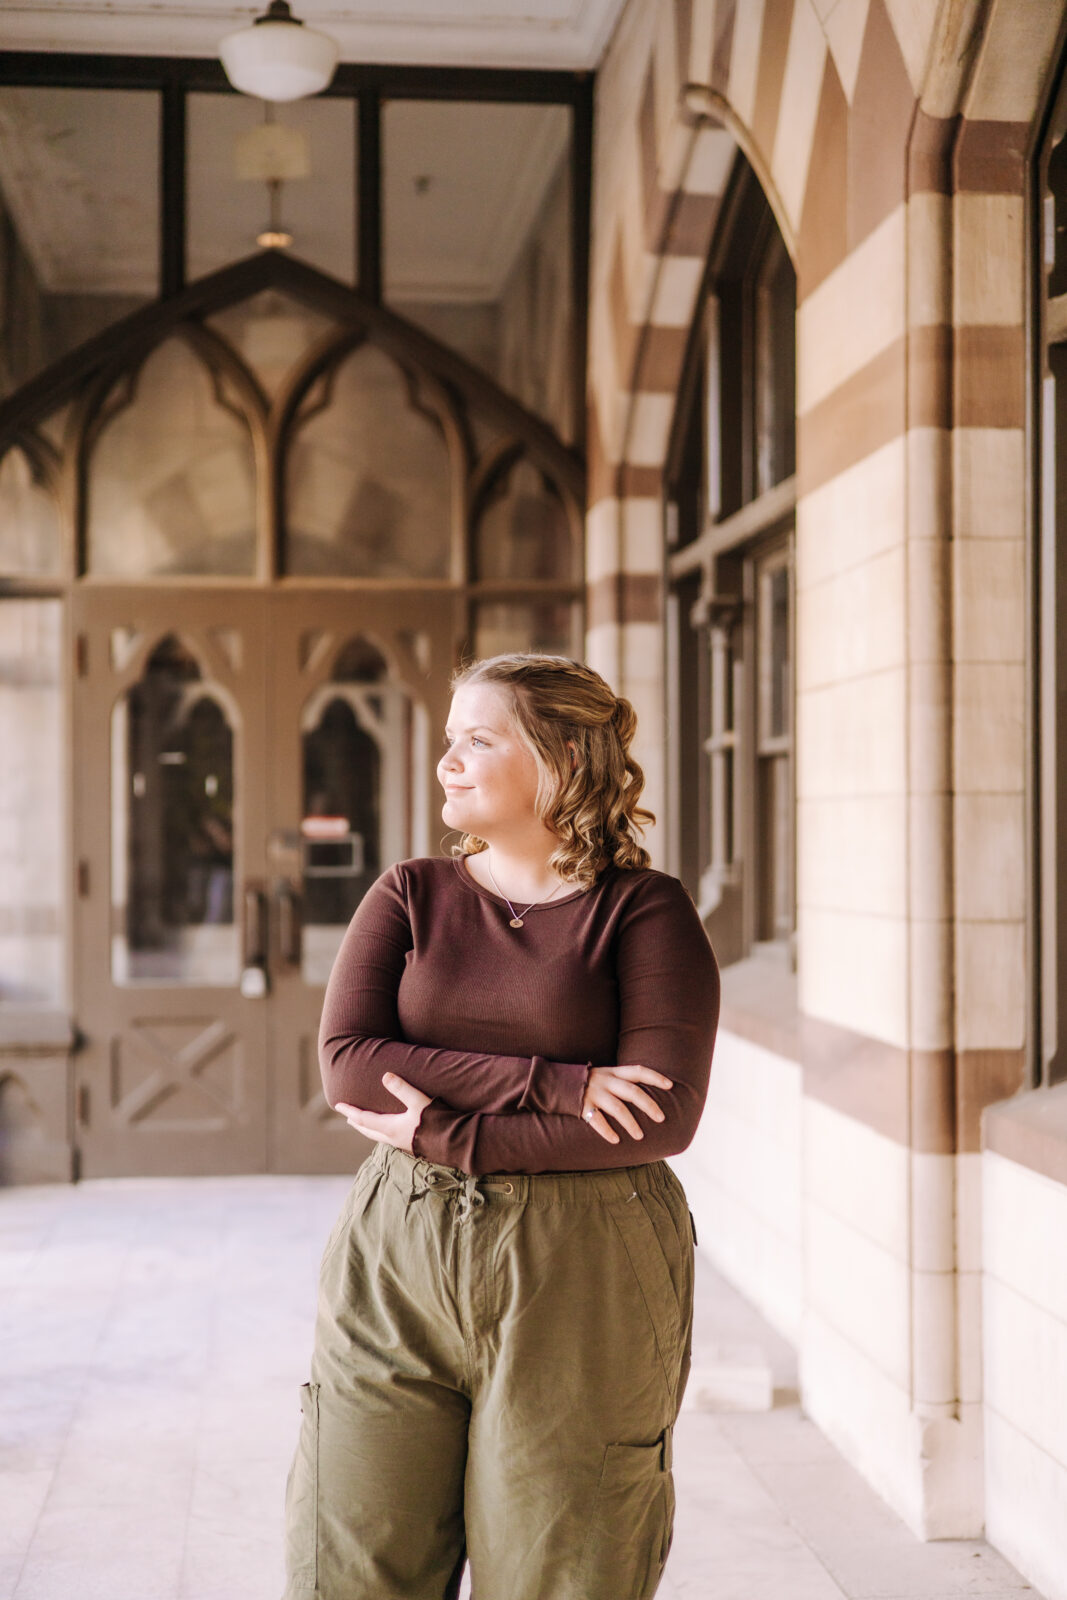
pixel 516 922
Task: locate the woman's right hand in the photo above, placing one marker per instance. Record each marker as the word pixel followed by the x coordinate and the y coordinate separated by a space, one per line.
pixel 610 1091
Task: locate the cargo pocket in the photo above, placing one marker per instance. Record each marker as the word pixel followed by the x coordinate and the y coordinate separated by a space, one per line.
pixel 655 1282
pixel 302 1501
pixel 631 1524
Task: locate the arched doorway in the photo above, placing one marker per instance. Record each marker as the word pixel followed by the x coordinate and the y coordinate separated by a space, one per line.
pixel 283 515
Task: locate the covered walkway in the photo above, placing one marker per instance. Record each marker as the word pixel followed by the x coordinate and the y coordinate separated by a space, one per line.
pixel 154 1333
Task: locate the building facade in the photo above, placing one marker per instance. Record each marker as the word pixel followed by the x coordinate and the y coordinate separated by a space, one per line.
pixel 810 412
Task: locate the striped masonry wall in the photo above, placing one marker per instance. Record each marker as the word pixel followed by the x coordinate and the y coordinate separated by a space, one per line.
pixel 890 138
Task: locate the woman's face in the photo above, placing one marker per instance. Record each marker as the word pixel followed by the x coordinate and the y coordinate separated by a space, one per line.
pixel 488 775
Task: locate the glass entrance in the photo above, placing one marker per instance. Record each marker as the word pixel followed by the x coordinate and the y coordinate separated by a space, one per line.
pixel 251 761
pixel 277 514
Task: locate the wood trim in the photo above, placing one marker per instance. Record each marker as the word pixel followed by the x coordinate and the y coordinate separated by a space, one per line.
pixel 175 77
pixel 172 219
pixel 758 517
pixel 581 248
pixel 369 197
pixel 126 341
pixel 35 1032
pixel 78 70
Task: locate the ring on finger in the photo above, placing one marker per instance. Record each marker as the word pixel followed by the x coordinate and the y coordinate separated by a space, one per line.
pixel 587 1116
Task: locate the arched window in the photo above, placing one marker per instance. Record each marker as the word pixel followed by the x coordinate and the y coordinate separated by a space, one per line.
pixel 173 826
pixel 523 530
pixel 172 478
pixel 357 753
pixel 369 477
pixel 31 539
pixel 731 500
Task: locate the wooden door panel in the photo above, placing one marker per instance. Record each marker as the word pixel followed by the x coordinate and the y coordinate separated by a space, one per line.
pixel 177 1073
pixel 322 649
pixel 171 1071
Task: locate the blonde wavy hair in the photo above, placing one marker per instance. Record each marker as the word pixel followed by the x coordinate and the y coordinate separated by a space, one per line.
pixel 557 706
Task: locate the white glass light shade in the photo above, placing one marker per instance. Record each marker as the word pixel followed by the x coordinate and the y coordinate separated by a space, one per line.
pixel 278 59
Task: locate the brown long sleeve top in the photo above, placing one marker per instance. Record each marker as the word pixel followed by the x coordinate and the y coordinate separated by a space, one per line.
pixel 501 1025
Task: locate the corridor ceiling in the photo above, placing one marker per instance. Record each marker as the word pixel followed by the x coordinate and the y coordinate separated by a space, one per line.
pixel 568 34
pixel 69 160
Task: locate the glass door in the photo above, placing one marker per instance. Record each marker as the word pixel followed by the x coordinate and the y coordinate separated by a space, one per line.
pixel 170 905
pixel 247 762
pixel 359 699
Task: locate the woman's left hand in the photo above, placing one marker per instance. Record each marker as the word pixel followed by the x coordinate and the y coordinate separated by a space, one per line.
pixel 397 1129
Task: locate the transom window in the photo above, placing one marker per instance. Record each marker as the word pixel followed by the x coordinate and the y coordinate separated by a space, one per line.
pixel 460 200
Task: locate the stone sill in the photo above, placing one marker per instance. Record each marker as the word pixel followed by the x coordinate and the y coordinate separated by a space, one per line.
pixel 759 1002
pixel 1031 1130
pixel 28 1032
pixel 906 1096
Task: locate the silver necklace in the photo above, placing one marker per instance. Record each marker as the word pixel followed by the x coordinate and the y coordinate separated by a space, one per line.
pixel 517 916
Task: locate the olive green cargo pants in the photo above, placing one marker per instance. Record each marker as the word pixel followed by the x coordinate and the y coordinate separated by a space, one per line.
pixel 498 1366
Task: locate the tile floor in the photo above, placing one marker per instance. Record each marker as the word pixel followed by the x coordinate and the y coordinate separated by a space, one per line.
pixel 153 1334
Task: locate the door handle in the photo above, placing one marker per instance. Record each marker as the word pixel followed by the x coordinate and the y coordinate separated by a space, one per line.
pixel 288 904
pixel 255 929
pixel 254 966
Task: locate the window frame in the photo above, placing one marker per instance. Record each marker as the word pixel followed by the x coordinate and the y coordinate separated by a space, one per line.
pixel 1046 596
pixel 370 85
pixel 723 530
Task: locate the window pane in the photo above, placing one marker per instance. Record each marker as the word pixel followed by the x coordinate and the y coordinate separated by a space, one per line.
pixel 172 478
pixel 524 531
pixel 31 787
pixel 30 534
pixel 774 652
pixel 271 333
pixel 79 218
pixel 1055 242
pixel 776 302
pixel 477 239
pixel 551 626
pixel 172 828
pixel 369 479
pixel 355 738
pixel 231 157
pixel 775 833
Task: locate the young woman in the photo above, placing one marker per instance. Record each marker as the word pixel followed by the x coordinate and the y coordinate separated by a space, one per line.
pixel 505 1306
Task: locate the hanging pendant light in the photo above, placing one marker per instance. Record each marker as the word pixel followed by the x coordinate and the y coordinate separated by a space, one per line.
pixel 278 57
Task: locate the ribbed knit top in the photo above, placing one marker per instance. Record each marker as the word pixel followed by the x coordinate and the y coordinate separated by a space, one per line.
pixel 500 1025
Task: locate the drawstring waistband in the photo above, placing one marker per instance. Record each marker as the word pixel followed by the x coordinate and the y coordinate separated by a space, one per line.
pixel 414 1176
pixel 428 1179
